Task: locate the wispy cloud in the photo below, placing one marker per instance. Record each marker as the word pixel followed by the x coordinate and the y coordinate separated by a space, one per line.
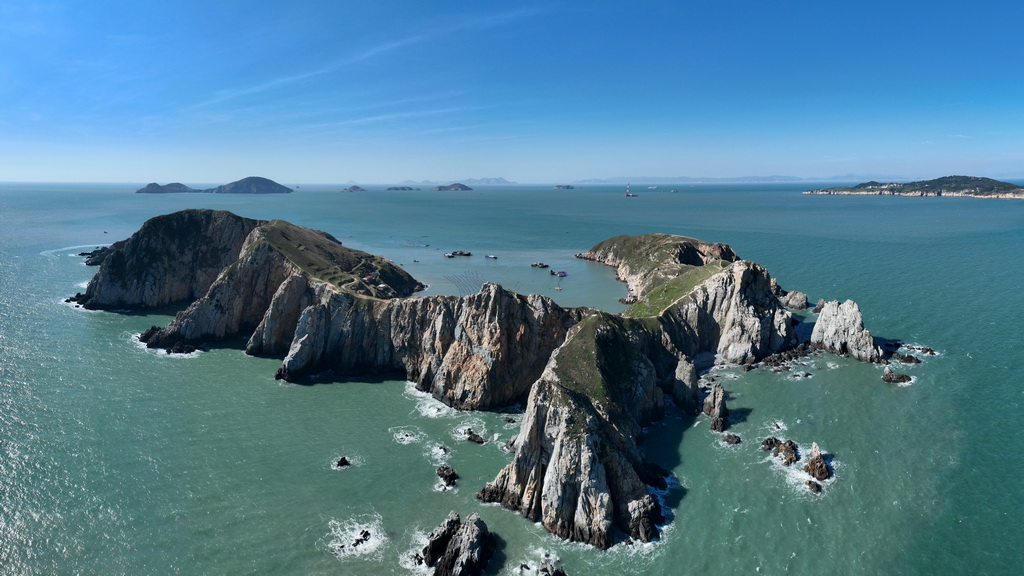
pixel 475 23
pixel 283 81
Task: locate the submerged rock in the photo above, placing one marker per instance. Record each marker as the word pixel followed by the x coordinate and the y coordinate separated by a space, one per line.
pixel 892 377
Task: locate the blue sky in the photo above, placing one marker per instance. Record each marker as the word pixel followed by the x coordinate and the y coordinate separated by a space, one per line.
pixel 536 92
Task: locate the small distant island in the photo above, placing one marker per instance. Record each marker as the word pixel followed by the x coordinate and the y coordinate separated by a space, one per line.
pixel 402 188
pixel 564 187
pixel 456 186
pixel 354 189
pixel 250 185
pixel 957 186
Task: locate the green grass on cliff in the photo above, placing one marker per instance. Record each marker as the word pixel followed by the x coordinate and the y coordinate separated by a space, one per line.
pixel 671 290
pixel 323 257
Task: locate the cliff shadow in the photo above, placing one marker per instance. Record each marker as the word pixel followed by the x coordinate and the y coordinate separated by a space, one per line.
pixel 738 415
pixel 661 446
pixel 329 377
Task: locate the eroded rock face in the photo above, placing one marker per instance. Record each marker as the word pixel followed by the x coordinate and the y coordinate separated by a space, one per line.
pixel 840 330
pixel 816 465
pixel 172 259
pixel 714 406
pixel 734 315
pixel 458 548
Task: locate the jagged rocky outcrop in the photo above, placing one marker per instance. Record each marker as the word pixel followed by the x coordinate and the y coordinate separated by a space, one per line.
pixel 591 380
pixel 457 548
pixel 714 406
pixel 840 330
pixel 172 259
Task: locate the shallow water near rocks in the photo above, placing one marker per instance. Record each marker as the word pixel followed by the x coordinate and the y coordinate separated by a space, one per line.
pixel 115 459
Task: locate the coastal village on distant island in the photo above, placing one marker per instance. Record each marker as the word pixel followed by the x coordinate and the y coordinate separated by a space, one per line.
pixel 948 186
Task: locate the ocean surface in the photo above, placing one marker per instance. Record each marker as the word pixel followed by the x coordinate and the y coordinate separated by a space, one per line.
pixel 115 459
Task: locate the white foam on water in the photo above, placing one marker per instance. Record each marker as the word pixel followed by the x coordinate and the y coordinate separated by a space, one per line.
pixel 347 539
pixel 160 352
pixel 426 405
pixel 476 424
pixel 354 460
pixel 407 559
pixel 438 454
pixel 407 434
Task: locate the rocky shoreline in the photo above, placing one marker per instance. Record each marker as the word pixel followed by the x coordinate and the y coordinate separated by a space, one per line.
pixel 591 380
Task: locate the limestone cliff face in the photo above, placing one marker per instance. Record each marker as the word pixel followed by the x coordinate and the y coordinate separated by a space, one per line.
pixel 172 259
pixel 592 380
pixel 840 330
pixel 477 352
pixel 733 314
pixel 576 466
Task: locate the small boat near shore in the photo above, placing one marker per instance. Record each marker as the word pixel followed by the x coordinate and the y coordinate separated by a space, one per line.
pixel 491 256
pixel 560 273
pixel 539 265
pixel 455 253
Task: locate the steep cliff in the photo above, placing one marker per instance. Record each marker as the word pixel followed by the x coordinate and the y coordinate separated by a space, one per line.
pixel 478 352
pixel 172 259
pixel 592 380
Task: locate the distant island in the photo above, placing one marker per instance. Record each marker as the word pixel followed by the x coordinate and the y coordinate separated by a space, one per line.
pixel 402 188
pixel 455 186
pixel 250 185
pixel 354 189
pixel 564 187
pixel 959 186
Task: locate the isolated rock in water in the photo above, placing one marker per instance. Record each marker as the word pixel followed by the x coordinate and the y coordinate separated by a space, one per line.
pixel 770 443
pixel 714 406
pixel 813 486
pixel 816 465
pixel 342 462
pixel 447 475
pixel 731 439
pixel 437 541
pixel 787 452
pixel 469 550
pixel 474 437
pixel 892 377
pixel 840 330
pixel 906 358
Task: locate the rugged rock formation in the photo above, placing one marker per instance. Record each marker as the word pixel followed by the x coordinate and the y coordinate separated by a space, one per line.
pixel 890 376
pixel 592 380
pixel 459 549
pixel 840 330
pixel 447 475
pixel 816 465
pixel 250 185
pixel 714 406
pixel 172 259
pixel 789 298
pixel 437 541
pixel 482 351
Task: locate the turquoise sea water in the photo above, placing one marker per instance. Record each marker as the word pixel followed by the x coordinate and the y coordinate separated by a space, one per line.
pixel 119 460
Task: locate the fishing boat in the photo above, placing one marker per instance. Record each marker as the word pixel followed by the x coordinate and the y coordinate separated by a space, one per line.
pixel 539 265
pixel 491 256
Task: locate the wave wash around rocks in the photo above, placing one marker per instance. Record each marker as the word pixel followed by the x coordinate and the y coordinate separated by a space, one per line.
pixel 591 380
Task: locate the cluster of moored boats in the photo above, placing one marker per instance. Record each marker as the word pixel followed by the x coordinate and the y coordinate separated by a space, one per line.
pixel 454 253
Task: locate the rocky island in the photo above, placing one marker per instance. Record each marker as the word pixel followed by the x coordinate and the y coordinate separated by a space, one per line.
pixel 956 186
pixel 591 380
pixel 452 187
pixel 250 185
